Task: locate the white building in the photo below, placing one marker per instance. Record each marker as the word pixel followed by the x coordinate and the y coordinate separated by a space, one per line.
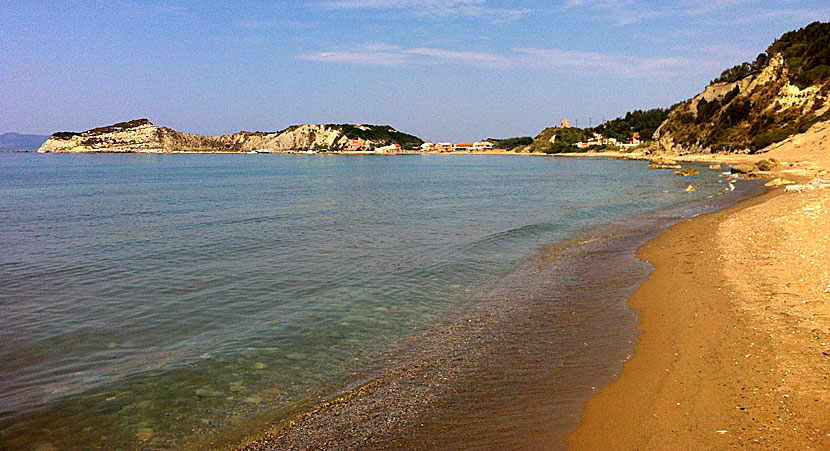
pixel 389 148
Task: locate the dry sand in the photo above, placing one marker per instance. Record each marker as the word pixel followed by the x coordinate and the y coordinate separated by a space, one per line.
pixel 735 344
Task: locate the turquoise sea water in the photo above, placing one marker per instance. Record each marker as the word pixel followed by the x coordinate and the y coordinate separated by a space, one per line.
pixel 149 299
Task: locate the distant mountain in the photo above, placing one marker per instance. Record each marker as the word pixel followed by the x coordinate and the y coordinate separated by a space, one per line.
pixel 143 136
pixel 17 141
pixel 752 105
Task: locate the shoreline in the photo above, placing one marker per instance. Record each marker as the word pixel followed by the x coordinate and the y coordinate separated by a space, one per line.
pixel 365 403
pixel 703 374
pixel 733 350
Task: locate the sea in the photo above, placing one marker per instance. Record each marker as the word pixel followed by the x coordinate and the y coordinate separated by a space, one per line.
pixel 422 301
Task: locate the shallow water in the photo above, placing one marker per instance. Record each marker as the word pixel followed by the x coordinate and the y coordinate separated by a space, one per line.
pixel 149 299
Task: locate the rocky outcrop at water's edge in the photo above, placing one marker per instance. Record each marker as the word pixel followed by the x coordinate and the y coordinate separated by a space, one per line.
pixel 143 136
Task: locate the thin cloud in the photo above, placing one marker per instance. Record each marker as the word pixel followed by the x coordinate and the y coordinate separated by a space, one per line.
pixel 469 58
pixel 761 15
pixel 619 12
pixel 381 54
pixel 718 12
pixel 589 63
pixel 256 23
pixel 359 57
pixel 435 8
pixel 541 59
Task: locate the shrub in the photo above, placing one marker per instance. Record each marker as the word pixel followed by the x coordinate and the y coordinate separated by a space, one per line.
pixel 736 112
pixel 707 110
pixel 65 135
pixel 511 143
pixel 767 138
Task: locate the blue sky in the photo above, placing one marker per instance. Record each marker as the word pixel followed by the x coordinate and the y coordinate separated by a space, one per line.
pixel 441 69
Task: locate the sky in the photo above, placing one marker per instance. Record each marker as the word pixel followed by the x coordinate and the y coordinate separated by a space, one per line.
pixel 444 70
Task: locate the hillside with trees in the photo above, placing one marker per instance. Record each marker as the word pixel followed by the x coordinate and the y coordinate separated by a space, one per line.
pixel 643 122
pixel 379 134
pixel 784 91
pixel 559 140
pixel 511 143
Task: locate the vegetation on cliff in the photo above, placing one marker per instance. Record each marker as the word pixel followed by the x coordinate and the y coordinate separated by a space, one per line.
pixel 784 91
pixel 559 140
pixel 806 53
pixel 511 143
pixel 643 122
pixel 380 134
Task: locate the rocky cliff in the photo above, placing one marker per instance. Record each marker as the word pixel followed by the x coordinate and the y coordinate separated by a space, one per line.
pixel 143 136
pixel 753 105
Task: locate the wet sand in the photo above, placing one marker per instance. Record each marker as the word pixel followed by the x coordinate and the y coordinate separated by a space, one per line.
pixel 735 344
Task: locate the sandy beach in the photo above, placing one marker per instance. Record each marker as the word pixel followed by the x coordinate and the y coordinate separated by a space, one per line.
pixel 735 321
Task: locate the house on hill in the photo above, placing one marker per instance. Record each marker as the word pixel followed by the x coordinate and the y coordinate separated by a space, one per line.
pixel 355 145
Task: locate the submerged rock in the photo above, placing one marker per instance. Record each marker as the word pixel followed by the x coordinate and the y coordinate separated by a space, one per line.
pixel 254 399
pixel 207 393
pixel 663 163
pixel 687 172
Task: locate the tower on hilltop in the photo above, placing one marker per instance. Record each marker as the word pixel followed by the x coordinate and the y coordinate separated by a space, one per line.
pixel 566 123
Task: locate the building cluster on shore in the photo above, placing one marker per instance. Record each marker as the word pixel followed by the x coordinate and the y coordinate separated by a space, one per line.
pixel 599 140
pixel 359 145
pixel 461 147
